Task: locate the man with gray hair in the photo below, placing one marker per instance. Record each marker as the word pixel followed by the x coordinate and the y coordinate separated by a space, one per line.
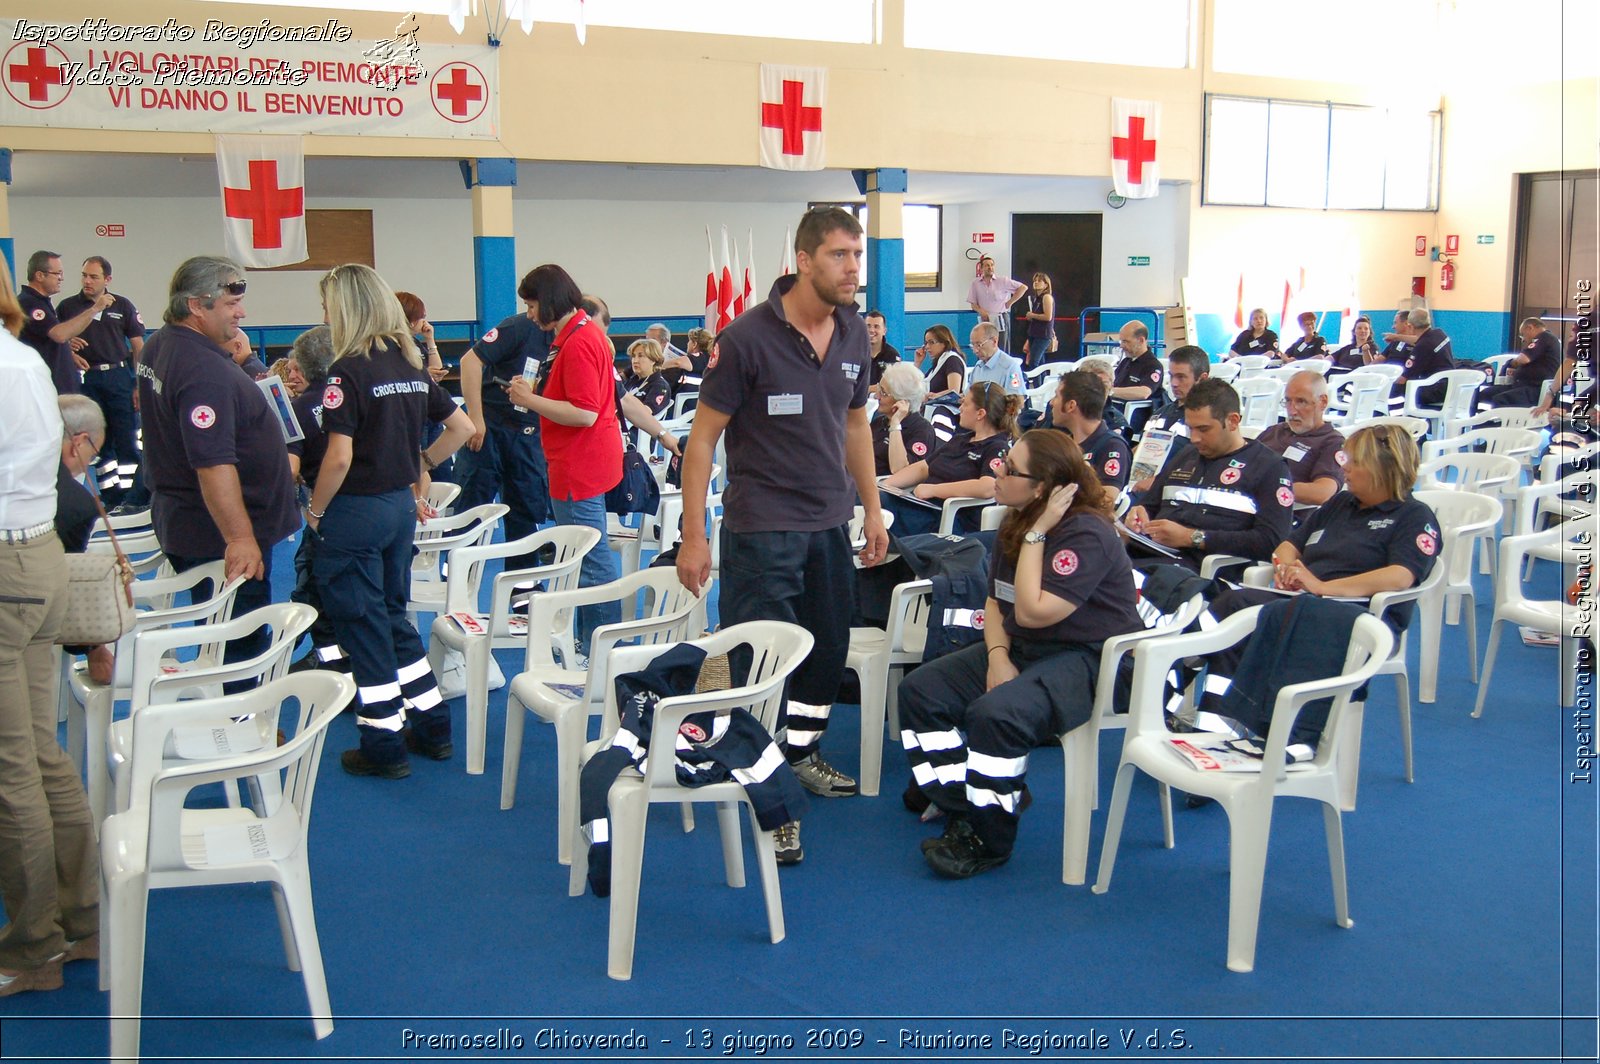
pixel 1429 354
pixel 1311 448
pixel 214 449
pixel 993 365
pixel 669 350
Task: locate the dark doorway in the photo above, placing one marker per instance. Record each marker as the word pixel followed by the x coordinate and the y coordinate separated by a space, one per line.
pixel 1067 248
pixel 1556 247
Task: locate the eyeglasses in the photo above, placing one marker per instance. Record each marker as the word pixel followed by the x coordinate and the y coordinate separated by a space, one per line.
pixel 1012 471
pixel 94 447
pixel 234 288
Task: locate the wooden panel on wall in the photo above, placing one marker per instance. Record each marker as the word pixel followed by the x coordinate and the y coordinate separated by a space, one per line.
pixel 335 237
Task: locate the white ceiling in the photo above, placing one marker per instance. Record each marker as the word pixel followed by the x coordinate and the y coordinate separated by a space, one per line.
pixel 57 174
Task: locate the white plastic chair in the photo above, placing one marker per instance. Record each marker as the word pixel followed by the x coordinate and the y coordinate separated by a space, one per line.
pixel 1538 504
pixel 89 712
pixel 1038 396
pixel 1463 518
pixel 1495 475
pixel 1247 798
pixel 477 635
pixel 1571 543
pixel 1499 375
pixel 878 657
pixel 1225 371
pixel 1359 396
pixel 566 696
pixel 1260 400
pixel 1249 365
pixel 434 541
pixel 157 682
pixel 778 649
pixel 1506 417
pixel 1315 365
pixel 441 493
pixel 1460 384
pixel 157 843
pixel 1417 427
pixel 1391 370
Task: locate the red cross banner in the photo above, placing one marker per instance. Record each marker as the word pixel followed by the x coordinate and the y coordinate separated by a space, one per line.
pixel 264 77
pixel 793 100
pixel 263 199
pixel 1135 129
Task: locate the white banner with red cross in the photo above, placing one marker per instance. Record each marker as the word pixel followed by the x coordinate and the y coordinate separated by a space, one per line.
pixel 793 102
pixel 1135 131
pixel 264 77
pixel 263 199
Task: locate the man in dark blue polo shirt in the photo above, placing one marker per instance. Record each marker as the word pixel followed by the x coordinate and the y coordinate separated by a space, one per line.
pixel 507 457
pixel 46 333
pixel 214 452
pixel 788 382
pixel 1430 353
pixel 1077 410
pixel 110 344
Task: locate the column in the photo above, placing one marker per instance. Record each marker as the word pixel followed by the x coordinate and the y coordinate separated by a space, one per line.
pixel 886 249
pixel 494 247
pixel 7 244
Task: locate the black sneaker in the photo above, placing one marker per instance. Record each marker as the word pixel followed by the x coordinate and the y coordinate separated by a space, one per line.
pixel 432 751
pixel 357 764
pixel 961 857
pixel 954 827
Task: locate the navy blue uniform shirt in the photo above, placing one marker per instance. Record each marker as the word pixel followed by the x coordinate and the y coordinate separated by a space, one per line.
pixel 381 401
pixel 108 334
pixel 1109 455
pixel 38 318
pixel 1085 564
pixel 1343 538
pixel 515 348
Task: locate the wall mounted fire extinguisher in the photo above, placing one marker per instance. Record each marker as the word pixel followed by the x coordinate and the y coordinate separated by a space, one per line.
pixel 1447 276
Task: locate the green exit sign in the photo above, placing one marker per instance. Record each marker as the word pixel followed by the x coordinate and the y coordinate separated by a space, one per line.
pixel 1486 238
pixel 1138 260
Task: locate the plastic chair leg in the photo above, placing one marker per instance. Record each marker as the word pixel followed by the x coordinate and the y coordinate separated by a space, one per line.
pixel 478 656
pixel 1165 797
pixel 291 954
pixel 1079 756
pixel 126 897
pixel 303 922
pixel 687 811
pixel 732 844
pixel 627 801
pixel 891 699
pixel 571 725
pixel 1402 696
pixel 767 864
pixel 1471 618
pixel 1333 828
pixel 1348 766
pixel 874 677
pixel 1430 636
pixel 96 722
pixel 511 756
pixel 1247 865
pixel 1488 664
pixel 1119 809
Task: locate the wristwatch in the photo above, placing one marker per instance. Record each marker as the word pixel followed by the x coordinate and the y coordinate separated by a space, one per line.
pixel 1033 537
pixel 1197 539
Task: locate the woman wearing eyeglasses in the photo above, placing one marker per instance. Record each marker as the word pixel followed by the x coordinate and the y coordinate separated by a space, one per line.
pixel 963 467
pixel 939 358
pixel 370 485
pixel 1059 585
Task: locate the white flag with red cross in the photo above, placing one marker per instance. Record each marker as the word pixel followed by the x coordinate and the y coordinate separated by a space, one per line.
pixel 793 101
pixel 263 199
pixel 1135 131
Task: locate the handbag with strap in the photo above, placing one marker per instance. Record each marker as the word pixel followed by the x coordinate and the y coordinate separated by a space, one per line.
pixel 638 492
pixel 99 595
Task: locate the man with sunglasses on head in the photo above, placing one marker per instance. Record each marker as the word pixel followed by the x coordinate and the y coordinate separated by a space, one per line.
pixel 215 457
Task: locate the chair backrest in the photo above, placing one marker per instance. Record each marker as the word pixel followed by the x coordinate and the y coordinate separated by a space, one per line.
pixel 469 528
pixel 1250 364
pixel 1463 515
pixel 1469 472
pixel 1507 417
pixel 1315 365
pixel 909 605
pixel 1225 371
pixel 1362 395
pixel 666 608
pixel 1391 370
pixel 441 493
pixel 1564 541
pixel 1260 399
pixel 161 789
pixel 156 681
pixel 1416 426
pixel 1518 443
pixel 202 615
pixel 464 583
pixel 1460 384
pixel 776 650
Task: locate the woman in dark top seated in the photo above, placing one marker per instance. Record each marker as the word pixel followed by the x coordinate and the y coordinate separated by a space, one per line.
pixel 1059 585
pixel 645 380
pixel 964 467
pixel 83 434
pixel 1257 339
pixel 1309 344
pixel 1362 350
pixel 900 434
pixel 939 358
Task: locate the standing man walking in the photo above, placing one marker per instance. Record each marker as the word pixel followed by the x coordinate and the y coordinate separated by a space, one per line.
pixel 788 382
pixel 110 343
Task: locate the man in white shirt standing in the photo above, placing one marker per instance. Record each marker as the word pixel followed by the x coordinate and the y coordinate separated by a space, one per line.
pixel 49 872
pixel 991 297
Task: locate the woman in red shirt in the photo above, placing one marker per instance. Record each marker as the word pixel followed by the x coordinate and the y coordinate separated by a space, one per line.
pixel 576 400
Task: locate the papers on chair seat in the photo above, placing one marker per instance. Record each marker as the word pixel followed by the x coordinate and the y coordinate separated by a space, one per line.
pixel 254 840
pixel 1145 541
pixel 906 494
pixel 566 690
pixel 200 744
pixel 1532 637
pixel 469 623
pixel 1218 754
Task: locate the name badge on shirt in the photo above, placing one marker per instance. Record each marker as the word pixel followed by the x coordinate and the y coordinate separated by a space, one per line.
pixel 1315 537
pixel 788 403
pixel 1295 453
pixel 1005 591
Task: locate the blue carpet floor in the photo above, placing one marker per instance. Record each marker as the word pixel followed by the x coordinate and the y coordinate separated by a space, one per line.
pixel 1473 892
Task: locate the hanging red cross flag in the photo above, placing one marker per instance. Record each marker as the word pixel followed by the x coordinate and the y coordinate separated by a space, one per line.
pixel 263 199
pixel 792 103
pixel 1135 129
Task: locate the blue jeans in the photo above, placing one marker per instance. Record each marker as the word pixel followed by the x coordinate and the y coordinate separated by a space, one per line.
pixel 600 565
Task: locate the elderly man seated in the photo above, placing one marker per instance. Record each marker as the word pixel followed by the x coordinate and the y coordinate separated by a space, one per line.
pixel 993 365
pixel 1312 448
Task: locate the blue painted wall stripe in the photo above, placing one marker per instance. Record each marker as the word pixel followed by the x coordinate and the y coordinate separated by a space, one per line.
pixel 494 263
pixel 886 285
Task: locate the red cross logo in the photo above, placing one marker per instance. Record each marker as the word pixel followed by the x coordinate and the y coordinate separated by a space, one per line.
pixel 264 205
pixel 203 417
pixel 460 92
pixel 33 75
pixel 792 117
pixel 1135 149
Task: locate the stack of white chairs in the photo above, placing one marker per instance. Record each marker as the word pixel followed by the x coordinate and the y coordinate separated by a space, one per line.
pixel 434 541
pixel 1571 544
pixel 1260 400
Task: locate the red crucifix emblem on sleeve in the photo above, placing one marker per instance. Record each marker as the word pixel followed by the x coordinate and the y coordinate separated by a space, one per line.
pixel 33 75
pixel 202 417
pixel 1340 457
pixel 1285 496
pixel 996 464
pixel 716 352
pixel 38 314
pixel 459 92
pixel 1065 563
pixel 977 619
pixel 490 336
pixel 1113 466
pixel 1229 476
pixel 1427 544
